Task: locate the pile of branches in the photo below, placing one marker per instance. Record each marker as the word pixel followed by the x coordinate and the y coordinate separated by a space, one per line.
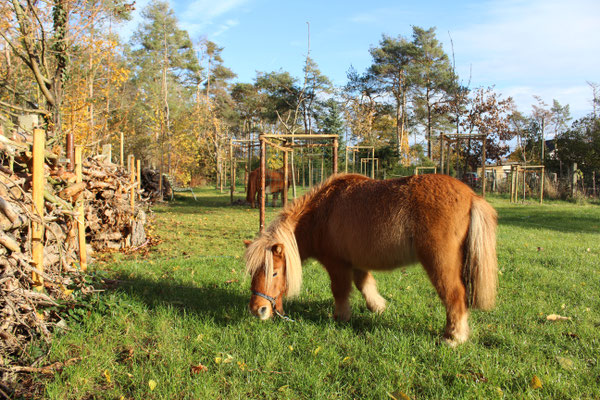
pixel 151 185
pixel 26 312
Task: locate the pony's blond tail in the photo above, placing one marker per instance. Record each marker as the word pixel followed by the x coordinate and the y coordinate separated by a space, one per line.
pixel 480 273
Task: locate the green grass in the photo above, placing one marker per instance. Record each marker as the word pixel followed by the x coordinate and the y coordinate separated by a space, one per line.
pixel 184 304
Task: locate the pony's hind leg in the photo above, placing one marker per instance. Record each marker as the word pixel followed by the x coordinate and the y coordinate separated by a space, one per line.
pixel 444 270
pixel 365 282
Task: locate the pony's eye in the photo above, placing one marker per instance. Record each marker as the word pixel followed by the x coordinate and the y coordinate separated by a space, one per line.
pixel 275 274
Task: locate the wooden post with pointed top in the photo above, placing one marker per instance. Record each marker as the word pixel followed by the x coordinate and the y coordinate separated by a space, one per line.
pixel 80 212
pixel 37 192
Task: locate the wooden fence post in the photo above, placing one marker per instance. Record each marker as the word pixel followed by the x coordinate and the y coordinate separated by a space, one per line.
pixel 284 198
pixel 335 156
pixel 231 171
pixel 542 186
pixel 132 184
pixel 122 161
pixel 263 167
pixel 37 192
pixel 139 178
pixel 80 212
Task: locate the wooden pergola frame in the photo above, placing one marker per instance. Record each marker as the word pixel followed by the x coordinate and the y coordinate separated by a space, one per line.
pixel 456 138
pixel 417 169
pixel 374 165
pixel 514 180
pixel 287 143
pixel 356 149
pixel 311 168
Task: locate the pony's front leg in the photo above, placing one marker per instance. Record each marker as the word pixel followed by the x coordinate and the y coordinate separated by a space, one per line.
pixel 274 197
pixel 341 285
pixel 365 282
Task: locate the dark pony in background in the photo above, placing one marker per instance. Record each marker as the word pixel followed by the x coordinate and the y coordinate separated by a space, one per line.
pixel 353 224
pixel 273 185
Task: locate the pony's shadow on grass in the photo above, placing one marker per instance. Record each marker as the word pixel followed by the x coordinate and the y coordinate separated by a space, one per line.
pixel 226 307
pixel 222 305
pixel 362 321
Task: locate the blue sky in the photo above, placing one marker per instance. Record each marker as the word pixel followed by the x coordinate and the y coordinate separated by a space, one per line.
pixel 548 48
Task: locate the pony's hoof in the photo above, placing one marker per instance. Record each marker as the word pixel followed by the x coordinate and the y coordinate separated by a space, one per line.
pixel 377 305
pixel 342 315
pixel 454 341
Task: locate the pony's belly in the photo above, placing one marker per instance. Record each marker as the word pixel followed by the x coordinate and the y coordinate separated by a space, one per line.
pixel 381 257
pixel 268 189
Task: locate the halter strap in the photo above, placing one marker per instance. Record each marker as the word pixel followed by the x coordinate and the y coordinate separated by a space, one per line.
pixel 273 301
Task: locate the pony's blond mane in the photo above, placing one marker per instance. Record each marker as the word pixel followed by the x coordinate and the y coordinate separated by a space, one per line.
pixel 259 253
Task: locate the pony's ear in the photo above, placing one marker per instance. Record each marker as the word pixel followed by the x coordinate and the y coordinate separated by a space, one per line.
pixel 247 242
pixel 277 249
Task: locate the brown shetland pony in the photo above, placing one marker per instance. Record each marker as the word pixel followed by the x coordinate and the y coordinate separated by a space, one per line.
pixel 353 224
pixel 273 185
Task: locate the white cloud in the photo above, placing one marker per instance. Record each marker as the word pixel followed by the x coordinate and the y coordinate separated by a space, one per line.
pixel 545 47
pixel 224 27
pixel 210 9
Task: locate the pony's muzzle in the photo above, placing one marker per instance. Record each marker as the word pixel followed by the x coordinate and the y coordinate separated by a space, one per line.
pixel 260 309
pixel 264 312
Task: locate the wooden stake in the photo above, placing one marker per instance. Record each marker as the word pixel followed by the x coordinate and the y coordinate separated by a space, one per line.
pixel 139 178
pixel 542 187
pixel 81 213
pixel 263 167
pixel 132 182
pixel 284 198
pixel 122 160
pixel 483 174
pixel 37 192
pixel 231 170
pixel 335 157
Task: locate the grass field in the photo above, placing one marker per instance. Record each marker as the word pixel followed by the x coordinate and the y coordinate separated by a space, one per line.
pixel 176 325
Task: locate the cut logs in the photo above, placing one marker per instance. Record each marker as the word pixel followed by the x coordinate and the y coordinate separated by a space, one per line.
pixel 110 222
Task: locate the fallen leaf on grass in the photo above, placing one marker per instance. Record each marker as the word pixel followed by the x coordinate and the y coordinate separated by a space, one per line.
pixel 556 317
pixel 196 369
pixel 535 383
pixel 317 350
pixel 152 384
pixel 107 375
pixel 564 362
pixel 398 395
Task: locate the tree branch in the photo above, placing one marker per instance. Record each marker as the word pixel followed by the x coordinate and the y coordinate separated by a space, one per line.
pixel 23 109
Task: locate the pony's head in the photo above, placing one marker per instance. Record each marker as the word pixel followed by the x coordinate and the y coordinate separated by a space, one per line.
pixel 274 264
